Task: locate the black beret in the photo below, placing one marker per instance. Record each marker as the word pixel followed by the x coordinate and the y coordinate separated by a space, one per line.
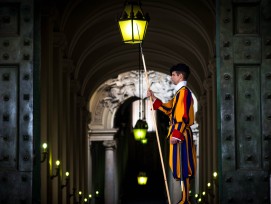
pixel 181 68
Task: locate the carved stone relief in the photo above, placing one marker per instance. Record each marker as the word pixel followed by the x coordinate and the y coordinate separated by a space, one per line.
pixel 98 114
pixel 127 85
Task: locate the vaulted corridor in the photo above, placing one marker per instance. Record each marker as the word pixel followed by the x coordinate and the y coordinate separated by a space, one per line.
pixel 69 81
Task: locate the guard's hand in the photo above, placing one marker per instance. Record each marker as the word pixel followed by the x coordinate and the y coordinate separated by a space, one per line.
pixel 178 135
pixel 149 93
pixel 173 140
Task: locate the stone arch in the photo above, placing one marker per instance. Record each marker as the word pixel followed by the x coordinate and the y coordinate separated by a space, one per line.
pixel 109 98
pixel 111 94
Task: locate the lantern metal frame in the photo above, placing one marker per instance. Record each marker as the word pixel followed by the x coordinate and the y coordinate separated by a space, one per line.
pixel 133 22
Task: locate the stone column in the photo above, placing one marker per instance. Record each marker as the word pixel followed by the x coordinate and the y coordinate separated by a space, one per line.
pixel 199 149
pixel 209 125
pixel 74 172
pixel 67 70
pixel 57 108
pixel 89 168
pixel 45 104
pixel 203 143
pixel 110 181
pixel 59 43
pixel 209 137
pixel 212 68
pixel 81 142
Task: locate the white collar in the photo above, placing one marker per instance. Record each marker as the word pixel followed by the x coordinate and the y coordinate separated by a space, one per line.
pixel 180 85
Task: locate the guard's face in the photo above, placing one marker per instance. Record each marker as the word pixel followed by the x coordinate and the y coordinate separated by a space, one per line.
pixel 176 78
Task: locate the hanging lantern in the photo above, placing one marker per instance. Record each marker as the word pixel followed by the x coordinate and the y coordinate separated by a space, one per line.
pixel 133 23
pixel 144 141
pixel 142 178
pixel 140 130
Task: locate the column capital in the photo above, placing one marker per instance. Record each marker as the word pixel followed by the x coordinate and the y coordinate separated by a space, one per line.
pixel 68 66
pixel 81 101
pixel 212 66
pixel 60 40
pixel 199 115
pixel 102 134
pixel 203 100
pixel 208 84
pixel 75 86
pixel 110 144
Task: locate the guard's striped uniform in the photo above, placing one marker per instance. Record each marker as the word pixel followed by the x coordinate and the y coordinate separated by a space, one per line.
pixel 180 110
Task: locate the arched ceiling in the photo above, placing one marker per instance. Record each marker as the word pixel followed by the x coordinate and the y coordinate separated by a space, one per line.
pixel 179 31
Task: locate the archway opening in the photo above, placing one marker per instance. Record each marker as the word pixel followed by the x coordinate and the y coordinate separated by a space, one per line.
pixel 114 102
pixel 135 157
